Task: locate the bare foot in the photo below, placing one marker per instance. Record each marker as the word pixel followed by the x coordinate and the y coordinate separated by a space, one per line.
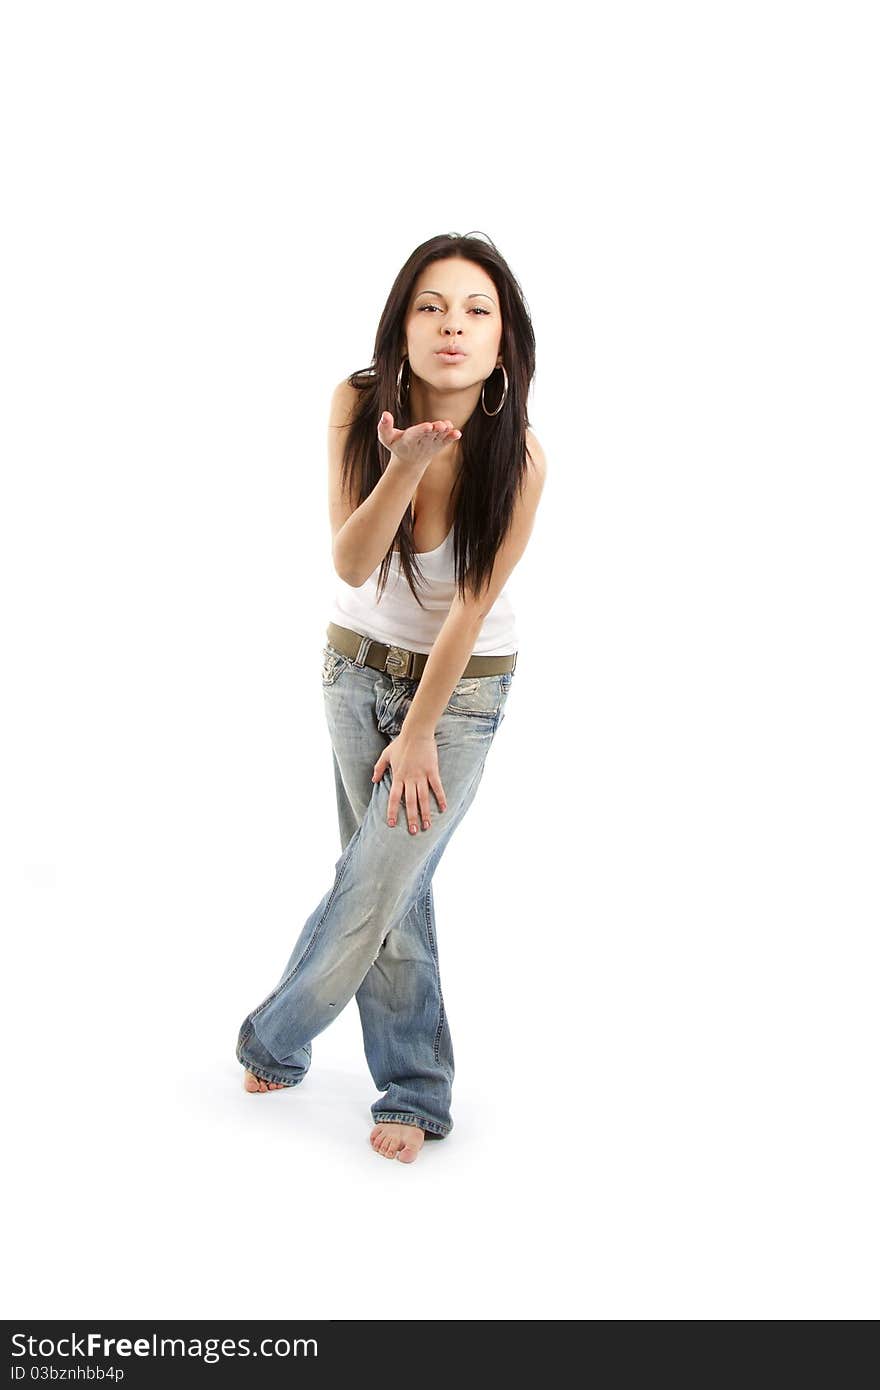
pixel 397 1141
pixel 256 1083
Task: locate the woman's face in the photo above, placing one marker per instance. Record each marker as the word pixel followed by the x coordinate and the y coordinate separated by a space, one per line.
pixel 454 304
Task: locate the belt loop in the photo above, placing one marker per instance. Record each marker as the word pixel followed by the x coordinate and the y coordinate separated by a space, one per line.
pixel 364 647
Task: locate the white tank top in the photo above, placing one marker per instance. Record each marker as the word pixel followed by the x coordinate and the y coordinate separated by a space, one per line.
pixel 398 620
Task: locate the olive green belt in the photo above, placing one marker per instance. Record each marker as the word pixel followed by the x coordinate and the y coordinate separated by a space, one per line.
pixel 399 661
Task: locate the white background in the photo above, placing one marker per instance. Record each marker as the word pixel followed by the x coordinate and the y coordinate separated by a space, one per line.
pixel 658 924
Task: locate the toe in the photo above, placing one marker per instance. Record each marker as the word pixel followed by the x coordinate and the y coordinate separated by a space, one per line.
pixel 259 1083
pixel 409 1153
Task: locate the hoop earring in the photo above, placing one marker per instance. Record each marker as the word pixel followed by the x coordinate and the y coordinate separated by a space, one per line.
pixel 403 362
pixel 503 398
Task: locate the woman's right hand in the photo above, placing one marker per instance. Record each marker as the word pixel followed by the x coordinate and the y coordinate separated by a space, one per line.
pixel 418 444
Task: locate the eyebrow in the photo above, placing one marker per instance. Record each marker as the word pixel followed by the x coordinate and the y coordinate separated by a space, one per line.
pixel 478 295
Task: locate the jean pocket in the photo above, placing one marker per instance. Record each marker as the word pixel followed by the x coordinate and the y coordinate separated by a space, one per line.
pixel 506 681
pixel 478 697
pixel 334 663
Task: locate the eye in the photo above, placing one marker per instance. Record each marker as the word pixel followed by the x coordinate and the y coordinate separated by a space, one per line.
pixel 477 309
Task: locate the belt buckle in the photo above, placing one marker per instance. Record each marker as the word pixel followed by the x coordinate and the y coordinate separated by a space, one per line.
pixel 398 661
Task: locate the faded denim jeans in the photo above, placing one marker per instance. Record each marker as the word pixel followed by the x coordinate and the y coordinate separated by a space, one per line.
pixel 373 934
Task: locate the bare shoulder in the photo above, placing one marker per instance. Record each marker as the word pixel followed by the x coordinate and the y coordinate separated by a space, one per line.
pixel 536 456
pixel 342 409
pixel 537 471
pixel 342 404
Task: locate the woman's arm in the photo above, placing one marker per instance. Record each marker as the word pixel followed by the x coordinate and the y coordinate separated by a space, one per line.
pixel 362 535
pixel 457 637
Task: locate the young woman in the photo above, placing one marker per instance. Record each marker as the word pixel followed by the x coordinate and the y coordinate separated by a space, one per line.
pixel 435 479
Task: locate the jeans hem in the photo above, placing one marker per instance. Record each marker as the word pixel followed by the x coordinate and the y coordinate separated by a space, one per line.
pixel 265 1075
pixel 404 1118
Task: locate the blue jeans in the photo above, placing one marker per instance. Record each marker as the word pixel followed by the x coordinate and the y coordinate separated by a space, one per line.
pixel 373 934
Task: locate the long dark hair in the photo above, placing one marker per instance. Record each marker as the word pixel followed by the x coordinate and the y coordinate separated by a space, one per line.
pixel 492 448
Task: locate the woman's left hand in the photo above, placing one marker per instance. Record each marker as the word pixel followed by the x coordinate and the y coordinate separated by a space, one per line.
pixel 414 767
